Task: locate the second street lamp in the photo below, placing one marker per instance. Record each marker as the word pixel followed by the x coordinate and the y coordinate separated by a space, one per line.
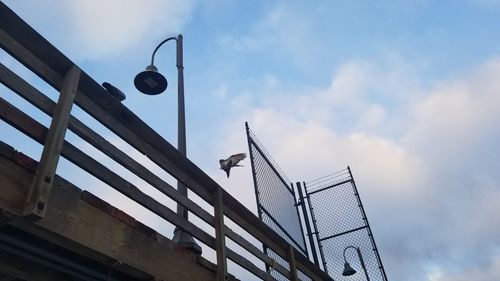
pixel 151 82
pixel 348 270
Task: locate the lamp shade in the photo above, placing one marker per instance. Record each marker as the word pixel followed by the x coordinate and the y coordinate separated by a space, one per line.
pixel 150 81
pixel 348 270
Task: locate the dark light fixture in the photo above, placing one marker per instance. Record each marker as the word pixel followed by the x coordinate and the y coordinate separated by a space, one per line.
pixel 150 81
pixel 348 270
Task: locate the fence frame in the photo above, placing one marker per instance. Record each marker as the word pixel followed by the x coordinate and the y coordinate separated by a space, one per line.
pixel 366 225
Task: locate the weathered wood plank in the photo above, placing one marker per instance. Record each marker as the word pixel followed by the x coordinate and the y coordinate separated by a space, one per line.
pixel 38 99
pixel 248 221
pixel 44 176
pixel 93 167
pixel 220 241
pixel 293 265
pixel 93 99
pixel 18 85
pixel 35 52
pixel 245 263
pixel 238 239
pixel 121 121
pixel 144 139
pixel 90 165
pixel 11 196
pixel 87 163
pixel 76 225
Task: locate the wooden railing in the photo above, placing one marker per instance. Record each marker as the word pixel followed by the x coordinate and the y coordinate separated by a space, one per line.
pixel 75 86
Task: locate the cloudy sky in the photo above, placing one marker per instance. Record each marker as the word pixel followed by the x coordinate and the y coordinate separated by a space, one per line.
pixel 405 92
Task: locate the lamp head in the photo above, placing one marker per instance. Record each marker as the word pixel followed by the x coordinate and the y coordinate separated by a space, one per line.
pixel 150 81
pixel 348 270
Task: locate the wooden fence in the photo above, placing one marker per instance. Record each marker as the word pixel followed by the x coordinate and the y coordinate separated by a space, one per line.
pixel 76 87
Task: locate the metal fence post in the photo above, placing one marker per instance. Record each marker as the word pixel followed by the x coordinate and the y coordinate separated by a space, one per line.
pixel 370 234
pixel 44 176
pixel 252 164
pixel 308 224
pixel 297 203
pixel 311 209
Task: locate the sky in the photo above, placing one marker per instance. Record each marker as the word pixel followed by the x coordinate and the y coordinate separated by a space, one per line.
pixel 405 92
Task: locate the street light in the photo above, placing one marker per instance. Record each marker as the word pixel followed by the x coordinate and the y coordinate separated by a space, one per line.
pixel 348 270
pixel 151 82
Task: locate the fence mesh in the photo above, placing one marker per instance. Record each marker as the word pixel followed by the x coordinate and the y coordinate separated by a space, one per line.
pixel 340 221
pixel 338 218
pixel 276 202
pixel 275 198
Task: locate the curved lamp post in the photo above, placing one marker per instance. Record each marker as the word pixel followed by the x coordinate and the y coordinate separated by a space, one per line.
pixel 151 82
pixel 348 270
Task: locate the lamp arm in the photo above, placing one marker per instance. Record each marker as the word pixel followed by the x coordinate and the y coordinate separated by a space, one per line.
pixel 345 260
pixel 159 45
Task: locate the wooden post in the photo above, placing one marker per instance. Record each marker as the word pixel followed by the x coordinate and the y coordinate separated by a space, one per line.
pixel 291 261
pixel 220 243
pixel 44 176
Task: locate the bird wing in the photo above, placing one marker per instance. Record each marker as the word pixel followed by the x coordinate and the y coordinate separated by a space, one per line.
pixel 235 158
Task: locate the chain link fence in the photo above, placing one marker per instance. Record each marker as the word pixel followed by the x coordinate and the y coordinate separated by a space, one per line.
pixel 335 221
pixel 276 202
pixel 341 228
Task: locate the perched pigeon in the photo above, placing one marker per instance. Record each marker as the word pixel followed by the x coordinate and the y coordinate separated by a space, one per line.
pixel 232 161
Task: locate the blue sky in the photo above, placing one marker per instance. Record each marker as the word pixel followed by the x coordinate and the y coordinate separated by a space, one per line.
pixel 405 92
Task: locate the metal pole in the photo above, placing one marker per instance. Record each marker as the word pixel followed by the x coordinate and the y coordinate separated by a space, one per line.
pixel 308 225
pixel 362 263
pixel 180 236
pixel 259 210
pixel 370 234
pixel 313 217
pixel 296 205
pixel 181 119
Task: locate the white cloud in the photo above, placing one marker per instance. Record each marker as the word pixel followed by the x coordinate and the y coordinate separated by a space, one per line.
pixel 109 27
pixel 96 29
pixel 429 182
pixel 488 272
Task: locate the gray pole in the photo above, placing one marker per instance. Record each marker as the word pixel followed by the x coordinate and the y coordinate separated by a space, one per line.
pixel 151 82
pixel 362 263
pixel 181 237
pixel 181 119
pixel 306 220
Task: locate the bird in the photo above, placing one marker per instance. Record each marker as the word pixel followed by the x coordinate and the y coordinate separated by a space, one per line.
pixel 232 161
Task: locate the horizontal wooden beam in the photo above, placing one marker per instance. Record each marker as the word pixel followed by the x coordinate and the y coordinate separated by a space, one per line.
pixel 81 228
pixel 31 49
pixel 42 102
pixel 245 244
pixel 37 131
pixel 39 100
pixel 31 127
pixel 248 265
